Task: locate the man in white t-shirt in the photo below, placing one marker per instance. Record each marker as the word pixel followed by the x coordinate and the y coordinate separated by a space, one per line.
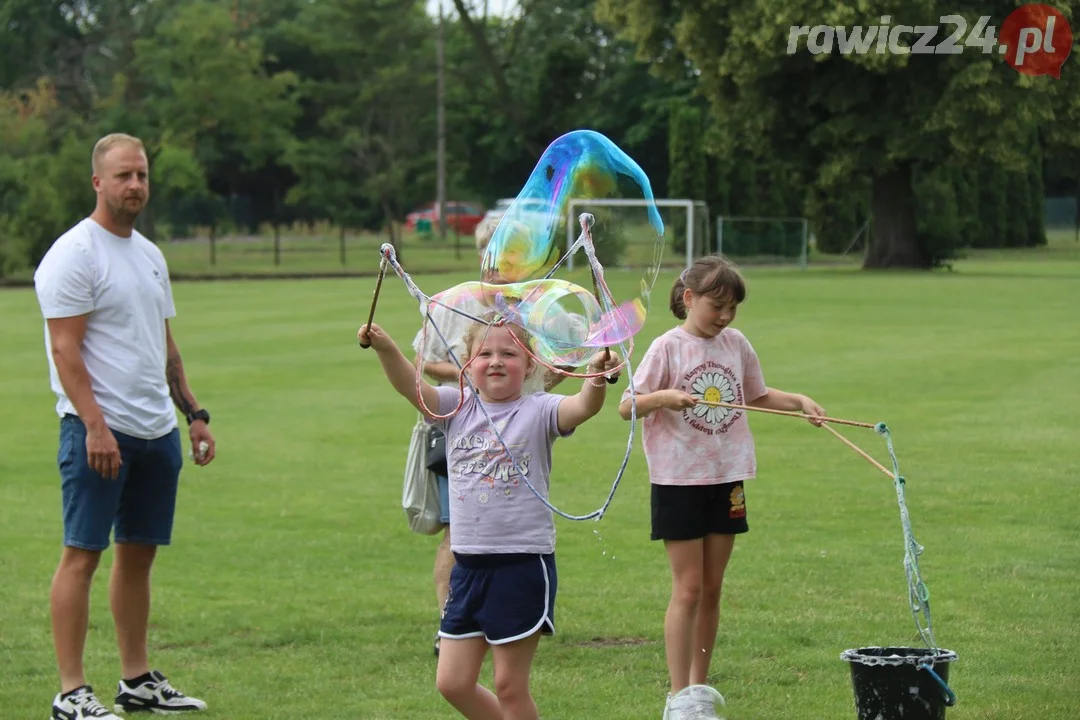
pixel 105 295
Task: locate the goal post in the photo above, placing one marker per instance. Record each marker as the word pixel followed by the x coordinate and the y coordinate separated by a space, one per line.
pixel 764 239
pixel 697 213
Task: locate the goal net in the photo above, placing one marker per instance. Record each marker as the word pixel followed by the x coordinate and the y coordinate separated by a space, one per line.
pixel 765 240
pixel 624 238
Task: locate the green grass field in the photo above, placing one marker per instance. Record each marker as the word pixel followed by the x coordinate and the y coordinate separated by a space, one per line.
pixel 294 588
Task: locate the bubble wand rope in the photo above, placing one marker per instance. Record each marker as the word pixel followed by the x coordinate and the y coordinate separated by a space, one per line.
pixel 595 514
pixel 375 297
pixel 390 256
pixel 387 251
pixel 525 348
pixel 586 221
pixel 606 302
pixel 918 592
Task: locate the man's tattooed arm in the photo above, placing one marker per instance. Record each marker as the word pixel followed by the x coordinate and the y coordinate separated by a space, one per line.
pixel 181 394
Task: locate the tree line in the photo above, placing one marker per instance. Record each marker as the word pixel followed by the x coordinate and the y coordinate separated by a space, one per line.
pixel 278 112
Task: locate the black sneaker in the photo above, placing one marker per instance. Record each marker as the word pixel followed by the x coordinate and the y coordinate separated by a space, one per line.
pixel 153 693
pixel 78 705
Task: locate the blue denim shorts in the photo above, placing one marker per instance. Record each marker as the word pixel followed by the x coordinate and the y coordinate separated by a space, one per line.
pixel 501 598
pixel 139 504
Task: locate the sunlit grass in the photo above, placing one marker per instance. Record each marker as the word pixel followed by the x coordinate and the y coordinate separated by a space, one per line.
pixel 294 588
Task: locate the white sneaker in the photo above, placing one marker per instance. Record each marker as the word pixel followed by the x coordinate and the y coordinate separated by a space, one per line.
pixel 79 705
pixel 697 702
pixel 154 695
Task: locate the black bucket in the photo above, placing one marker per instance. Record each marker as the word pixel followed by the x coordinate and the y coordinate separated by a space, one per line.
pixel 899 683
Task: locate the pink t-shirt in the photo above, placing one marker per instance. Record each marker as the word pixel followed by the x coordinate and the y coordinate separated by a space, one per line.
pixel 702 445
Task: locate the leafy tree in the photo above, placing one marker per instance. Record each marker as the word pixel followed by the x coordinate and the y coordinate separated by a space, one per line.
pixel 966 182
pixel 875 116
pixel 235 130
pixel 44 174
pixel 368 89
pixel 993 209
pixel 553 68
pixel 1036 230
pixel 939 216
pixel 688 176
pixel 688 168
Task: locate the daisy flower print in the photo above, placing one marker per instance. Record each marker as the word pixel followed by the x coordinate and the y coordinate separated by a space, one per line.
pixel 712 387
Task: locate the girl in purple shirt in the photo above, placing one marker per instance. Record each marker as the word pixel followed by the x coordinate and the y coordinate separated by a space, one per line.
pixel 503 585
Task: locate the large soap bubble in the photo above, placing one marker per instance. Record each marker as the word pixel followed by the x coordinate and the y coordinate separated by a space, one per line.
pixel 528 247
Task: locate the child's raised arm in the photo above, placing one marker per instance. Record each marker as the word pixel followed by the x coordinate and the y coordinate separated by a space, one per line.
pixel 576 409
pixel 399 371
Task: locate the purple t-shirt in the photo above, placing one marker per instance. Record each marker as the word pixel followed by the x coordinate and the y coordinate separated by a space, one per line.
pixel 492 510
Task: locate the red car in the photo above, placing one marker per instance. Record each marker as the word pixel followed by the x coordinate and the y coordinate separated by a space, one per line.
pixel 461 218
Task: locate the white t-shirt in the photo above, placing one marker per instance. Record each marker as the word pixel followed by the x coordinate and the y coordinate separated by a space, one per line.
pixel 123 284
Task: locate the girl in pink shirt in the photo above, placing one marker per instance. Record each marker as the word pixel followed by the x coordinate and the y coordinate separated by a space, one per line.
pixel 699 453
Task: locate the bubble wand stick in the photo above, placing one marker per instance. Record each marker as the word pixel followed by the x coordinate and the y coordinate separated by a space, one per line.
pixel 789 413
pixel 375 296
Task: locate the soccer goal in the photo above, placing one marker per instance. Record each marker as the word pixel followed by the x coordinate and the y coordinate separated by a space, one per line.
pixel 765 240
pixel 686 229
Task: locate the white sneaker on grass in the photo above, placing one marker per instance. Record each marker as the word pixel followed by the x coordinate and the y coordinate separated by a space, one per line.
pixel 80 704
pixel 152 693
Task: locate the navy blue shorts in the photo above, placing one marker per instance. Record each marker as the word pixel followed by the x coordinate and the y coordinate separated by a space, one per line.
pixel 501 598
pixel 139 503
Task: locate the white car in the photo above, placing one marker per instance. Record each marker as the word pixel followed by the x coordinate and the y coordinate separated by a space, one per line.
pixel 538 208
pixel 494 215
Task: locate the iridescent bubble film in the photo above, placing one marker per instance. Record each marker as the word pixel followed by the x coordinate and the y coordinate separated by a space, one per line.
pixel 565 320
pixel 528 250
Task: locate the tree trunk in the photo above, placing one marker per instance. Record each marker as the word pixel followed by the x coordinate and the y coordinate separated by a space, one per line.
pixel 894 241
pixel 213 243
pixel 391 229
pixel 510 105
pixel 277 226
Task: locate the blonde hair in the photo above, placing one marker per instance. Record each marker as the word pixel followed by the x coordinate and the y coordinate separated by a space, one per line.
pixel 483 233
pixel 713 276
pixel 107 143
pixel 479 330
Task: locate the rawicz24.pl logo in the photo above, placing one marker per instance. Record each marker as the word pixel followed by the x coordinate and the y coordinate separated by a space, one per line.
pixel 1034 39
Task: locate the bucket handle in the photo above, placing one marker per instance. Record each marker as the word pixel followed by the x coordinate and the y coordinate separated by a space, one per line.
pixel 950 696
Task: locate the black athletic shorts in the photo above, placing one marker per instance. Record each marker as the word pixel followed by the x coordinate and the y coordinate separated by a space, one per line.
pixel 690 512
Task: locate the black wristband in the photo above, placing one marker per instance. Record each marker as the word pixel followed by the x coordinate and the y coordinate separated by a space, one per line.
pixel 198 415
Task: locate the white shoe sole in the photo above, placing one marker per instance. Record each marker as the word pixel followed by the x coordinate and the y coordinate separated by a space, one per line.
pixel 119 710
